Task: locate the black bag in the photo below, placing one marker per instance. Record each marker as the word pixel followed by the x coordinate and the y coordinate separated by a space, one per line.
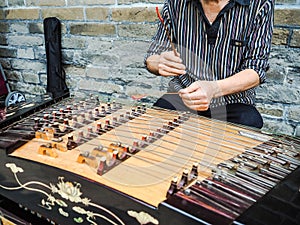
pixel 56 77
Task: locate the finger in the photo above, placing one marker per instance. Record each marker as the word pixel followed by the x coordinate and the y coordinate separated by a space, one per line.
pixel 201 107
pixel 190 89
pixel 170 56
pixel 189 97
pixel 196 95
pixel 198 106
pixel 173 65
pixel 195 103
pixel 170 71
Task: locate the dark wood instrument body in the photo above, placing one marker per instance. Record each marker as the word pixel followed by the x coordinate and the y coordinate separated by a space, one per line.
pixel 62 191
pixel 113 200
pixel 280 206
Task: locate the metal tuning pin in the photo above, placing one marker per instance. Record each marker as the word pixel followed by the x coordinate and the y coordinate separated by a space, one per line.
pixel 99 129
pixel 175 122
pixel 139 110
pixel 111 158
pixel 73 122
pixel 115 122
pixel 89 133
pixel 103 111
pixel 134 148
pixel 289 159
pixel 183 117
pixel 123 153
pixel 69 108
pixel 127 116
pixel 166 129
pixel 61 115
pixel 194 172
pixel 56 131
pixel 173 187
pixel 45 121
pixel 228 165
pixel 122 119
pixel 108 126
pixel 144 107
pixel 75 106
pixel 101 166
pixel 71 144
pixel 96 113
pixel 133 114
pixel 144 142
pixel 37 124
pixel 79 137
pixel 54 117
pixel 68 111
pixel 219 174
pixel 89 116
pixel 64 126
pixel 184 179
pixel 108 108
pixel 158 133
pixel 151 137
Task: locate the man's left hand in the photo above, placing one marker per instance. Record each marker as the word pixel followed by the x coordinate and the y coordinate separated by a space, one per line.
pixel 199 94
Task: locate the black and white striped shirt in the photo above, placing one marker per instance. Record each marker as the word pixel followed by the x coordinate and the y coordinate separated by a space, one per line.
pixel 241 41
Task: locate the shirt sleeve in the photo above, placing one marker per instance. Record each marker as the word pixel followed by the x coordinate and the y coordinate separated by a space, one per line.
pixel 160 41
pixel 260 40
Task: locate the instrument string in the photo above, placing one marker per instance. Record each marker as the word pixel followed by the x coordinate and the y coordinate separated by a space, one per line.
pixel 175 165
pixel 203 129
pixel 258 135
pixel 252 133
pixel 195 143
pixel 182 155
pixel 225 138
pixel 190 127
pixel 150 160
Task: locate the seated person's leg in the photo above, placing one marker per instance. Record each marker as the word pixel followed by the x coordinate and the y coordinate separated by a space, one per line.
pixel 244 114
pixel 236 113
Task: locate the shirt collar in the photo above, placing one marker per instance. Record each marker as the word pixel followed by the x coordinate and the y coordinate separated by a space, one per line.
pixel 241 2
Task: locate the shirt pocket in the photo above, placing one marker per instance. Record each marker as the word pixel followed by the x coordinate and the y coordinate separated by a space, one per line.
pixel 238 42
pixel 236 54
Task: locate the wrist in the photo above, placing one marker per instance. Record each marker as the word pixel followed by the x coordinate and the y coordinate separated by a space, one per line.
pixel 217 88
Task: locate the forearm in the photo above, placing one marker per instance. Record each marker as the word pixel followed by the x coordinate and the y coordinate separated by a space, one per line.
pixel 239 82
pixel 152 63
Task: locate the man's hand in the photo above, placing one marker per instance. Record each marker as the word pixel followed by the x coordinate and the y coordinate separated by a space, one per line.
pixel 199 94
pixel 166 64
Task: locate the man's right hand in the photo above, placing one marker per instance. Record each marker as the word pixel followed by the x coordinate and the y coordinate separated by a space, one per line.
pixel 166 64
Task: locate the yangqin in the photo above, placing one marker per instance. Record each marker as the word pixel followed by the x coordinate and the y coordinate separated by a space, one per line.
pixel 88 161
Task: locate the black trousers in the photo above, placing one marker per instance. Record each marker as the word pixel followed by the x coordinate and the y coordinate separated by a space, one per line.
pixel 235 113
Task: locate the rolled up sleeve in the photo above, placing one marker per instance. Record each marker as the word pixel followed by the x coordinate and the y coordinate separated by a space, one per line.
pixel 260 39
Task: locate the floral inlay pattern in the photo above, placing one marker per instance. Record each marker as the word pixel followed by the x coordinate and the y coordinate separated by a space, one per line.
pixel 65 191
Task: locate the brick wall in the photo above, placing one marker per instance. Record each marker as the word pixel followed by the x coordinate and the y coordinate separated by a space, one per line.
pixel 104 42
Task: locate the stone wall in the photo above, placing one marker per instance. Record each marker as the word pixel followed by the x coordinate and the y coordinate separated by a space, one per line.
pixel 104 42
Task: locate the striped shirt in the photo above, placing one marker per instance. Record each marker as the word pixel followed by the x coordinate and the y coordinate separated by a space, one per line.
pixel 242 40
